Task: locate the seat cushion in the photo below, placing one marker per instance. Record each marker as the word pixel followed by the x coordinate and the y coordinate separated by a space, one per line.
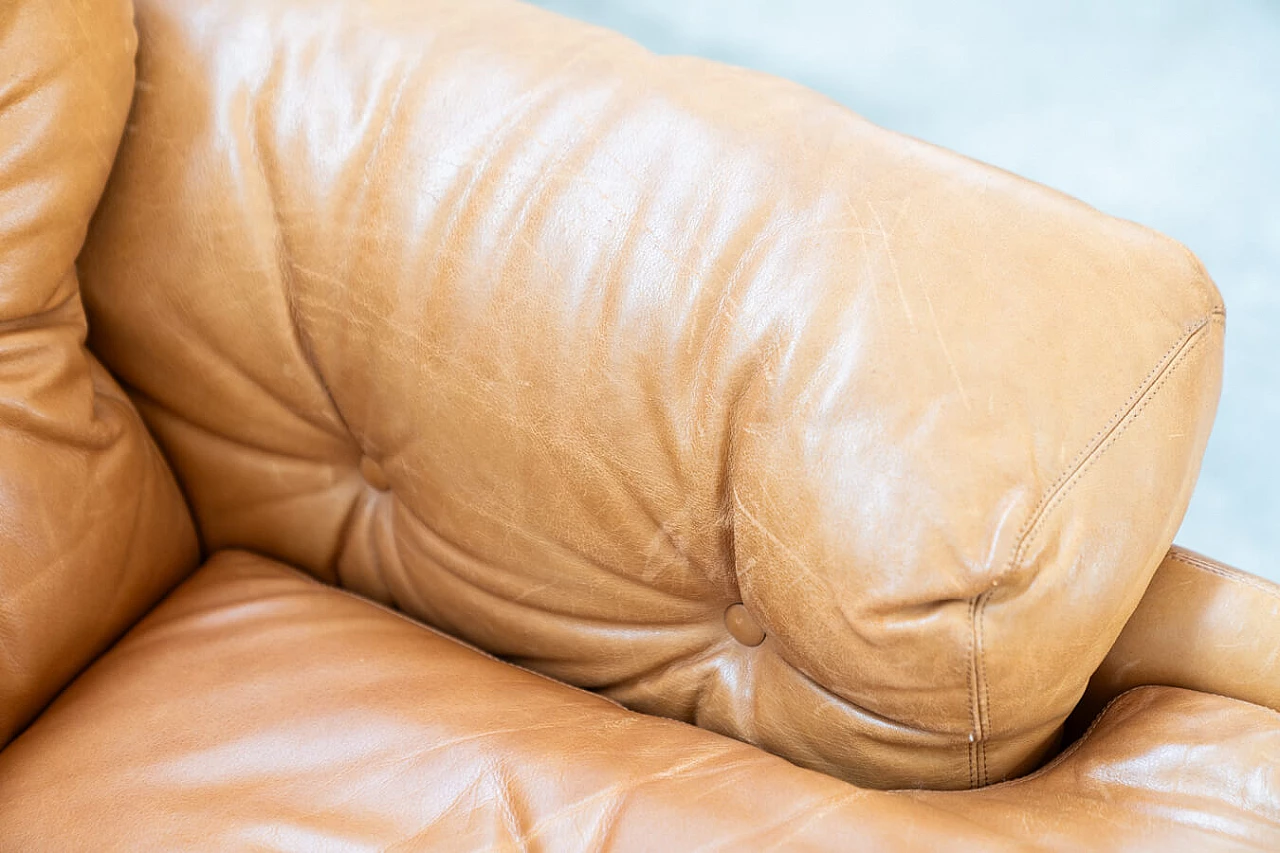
pixel 667 379
pixel 257 709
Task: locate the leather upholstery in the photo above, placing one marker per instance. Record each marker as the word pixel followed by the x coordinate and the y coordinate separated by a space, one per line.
pixel 567 349
pixel 92 528
pixel 259 709
pixel 665 379
pixel 1201 625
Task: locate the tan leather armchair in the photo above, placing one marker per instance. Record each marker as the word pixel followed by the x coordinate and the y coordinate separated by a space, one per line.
pixel 527 442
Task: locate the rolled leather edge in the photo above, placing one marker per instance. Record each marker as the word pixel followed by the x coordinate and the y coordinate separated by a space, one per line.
pixel 1201 625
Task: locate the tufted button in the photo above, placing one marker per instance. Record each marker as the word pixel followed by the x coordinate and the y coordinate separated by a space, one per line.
pixel 373 474
pixel 743 626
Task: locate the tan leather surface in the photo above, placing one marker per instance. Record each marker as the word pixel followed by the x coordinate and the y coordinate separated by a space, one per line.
pixel 259 710
pixel 1163 769
pixel 1201 625
pixel 92 527
pixel 566 349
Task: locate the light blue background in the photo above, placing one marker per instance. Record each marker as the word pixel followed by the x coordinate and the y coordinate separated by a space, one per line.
pixel 1167 113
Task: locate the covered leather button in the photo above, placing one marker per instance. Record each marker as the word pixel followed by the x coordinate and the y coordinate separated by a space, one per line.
pixel 743 626
pixel 373 474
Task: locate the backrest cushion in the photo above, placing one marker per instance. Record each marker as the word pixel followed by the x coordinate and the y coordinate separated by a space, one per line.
pixel 92 527
pixel 668 379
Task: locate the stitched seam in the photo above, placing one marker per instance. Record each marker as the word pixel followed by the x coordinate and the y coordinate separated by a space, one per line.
pixel 1186 347
pixel 984 711
pixel 1227 574
pixel 1127 412
pixel 973 687
pixel 1066 753
pixel 969 750
pixel 1190 345
pixel 1082 741
pixel 1097 446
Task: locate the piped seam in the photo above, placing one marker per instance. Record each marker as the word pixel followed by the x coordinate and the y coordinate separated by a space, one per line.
pixel 1127 414
pixel 1227 573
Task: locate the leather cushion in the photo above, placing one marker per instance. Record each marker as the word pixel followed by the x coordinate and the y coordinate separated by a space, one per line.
pixel 257 709
pixel 568 349
pixel 1201 625
pixel 93 529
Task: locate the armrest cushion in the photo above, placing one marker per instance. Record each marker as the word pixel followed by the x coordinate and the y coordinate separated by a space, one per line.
pixel 1201 625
